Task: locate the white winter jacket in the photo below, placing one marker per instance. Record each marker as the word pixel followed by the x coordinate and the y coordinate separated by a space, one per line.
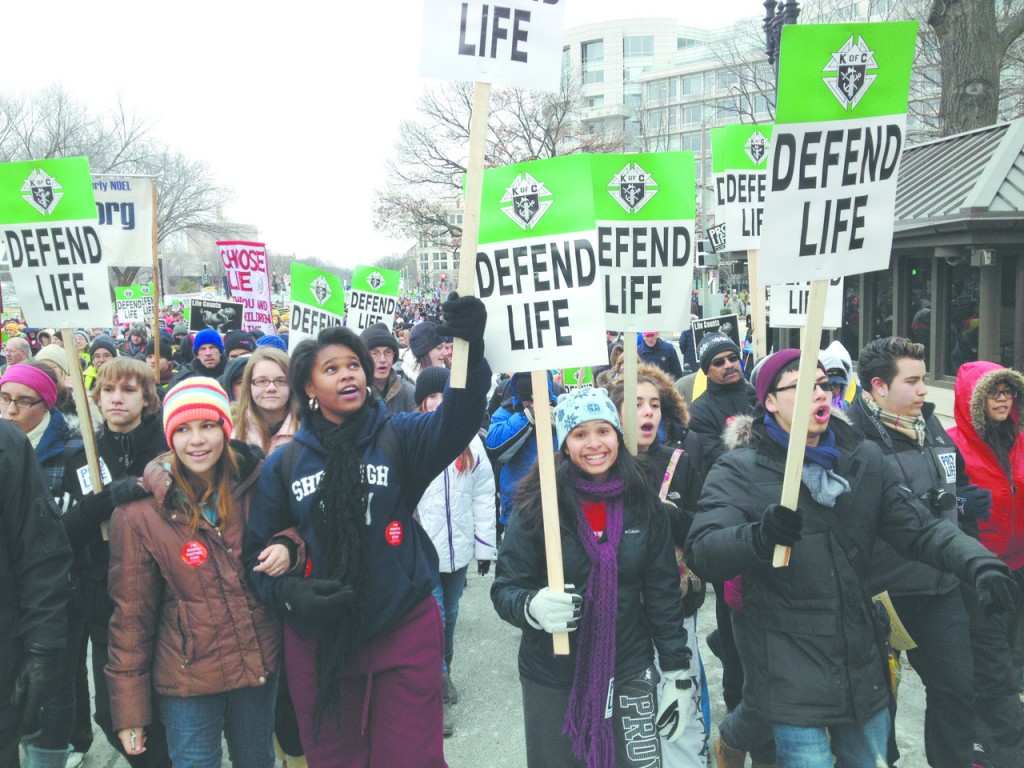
pixel 457 512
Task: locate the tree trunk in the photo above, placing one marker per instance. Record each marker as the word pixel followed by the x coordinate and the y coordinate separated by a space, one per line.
pixel 971 53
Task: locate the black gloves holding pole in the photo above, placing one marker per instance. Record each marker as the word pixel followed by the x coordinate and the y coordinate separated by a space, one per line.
pixel 465 318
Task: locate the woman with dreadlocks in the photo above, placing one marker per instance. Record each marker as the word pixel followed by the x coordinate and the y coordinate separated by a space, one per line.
pixel 363 636
pixel 595 707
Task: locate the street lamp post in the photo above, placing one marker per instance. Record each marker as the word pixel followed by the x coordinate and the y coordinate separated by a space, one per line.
pixel 777 13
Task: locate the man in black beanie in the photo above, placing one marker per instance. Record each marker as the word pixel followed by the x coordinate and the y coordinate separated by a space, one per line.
pixel 728 394
pixel 396 391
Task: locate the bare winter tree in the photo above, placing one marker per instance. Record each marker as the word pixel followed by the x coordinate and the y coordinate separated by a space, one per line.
pixel 425 176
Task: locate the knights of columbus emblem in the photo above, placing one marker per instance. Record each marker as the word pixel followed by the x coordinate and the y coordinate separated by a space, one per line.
pixel 757 147
pixel 850 65
pixel 632 187
pixel 42 191
pixel 526 200
pixel 321 290
pixel 375 281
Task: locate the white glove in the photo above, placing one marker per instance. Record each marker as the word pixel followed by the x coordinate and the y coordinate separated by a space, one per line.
pixel 554 611
pixel 673 704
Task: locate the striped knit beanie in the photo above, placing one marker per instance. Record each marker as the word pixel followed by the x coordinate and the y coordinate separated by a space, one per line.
pixel 197 397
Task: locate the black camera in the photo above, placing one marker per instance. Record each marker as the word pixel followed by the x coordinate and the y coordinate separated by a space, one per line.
pixel 938 500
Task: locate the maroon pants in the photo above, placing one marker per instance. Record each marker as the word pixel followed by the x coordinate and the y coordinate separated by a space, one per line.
pixel 391 697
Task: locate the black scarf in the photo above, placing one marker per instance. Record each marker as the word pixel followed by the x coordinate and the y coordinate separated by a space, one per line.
pixel 340 520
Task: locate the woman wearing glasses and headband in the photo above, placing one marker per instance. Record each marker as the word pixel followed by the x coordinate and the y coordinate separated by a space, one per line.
pixel 266 415
pixel 987 432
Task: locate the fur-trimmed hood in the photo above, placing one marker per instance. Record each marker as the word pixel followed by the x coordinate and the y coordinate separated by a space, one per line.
pixel 973 382
pixel 740 432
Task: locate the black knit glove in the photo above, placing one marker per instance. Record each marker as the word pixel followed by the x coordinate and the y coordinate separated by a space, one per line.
pixel 314 598
pixel 483 567
pixel 997 591
pixel 37 680
pixel 96 508
pixel 973 502
pixel 465 317
pixel 780 526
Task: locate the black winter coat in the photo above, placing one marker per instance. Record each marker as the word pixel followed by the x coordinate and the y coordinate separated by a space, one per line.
pixel 811 643
pixel 35 558
pixel 712 411
pixel 649 608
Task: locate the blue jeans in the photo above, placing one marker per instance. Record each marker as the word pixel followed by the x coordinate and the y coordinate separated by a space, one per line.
pixel 245 716
pixel 855 746
pixel 448 593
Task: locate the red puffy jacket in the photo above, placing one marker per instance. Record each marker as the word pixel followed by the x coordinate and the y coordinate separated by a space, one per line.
pixel 1003 532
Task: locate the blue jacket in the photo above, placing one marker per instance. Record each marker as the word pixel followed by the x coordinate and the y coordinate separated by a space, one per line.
pixel 402 561
pixel 662 355
pixel 510 441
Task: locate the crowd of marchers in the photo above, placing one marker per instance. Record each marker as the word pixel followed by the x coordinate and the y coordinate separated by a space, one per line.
pixel 274 551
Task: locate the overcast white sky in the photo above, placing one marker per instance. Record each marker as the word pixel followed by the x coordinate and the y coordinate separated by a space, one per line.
pixel 294 105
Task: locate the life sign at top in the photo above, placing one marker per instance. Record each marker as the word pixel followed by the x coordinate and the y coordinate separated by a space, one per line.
pixel 838 139
pixel 517 43
pixel 49 225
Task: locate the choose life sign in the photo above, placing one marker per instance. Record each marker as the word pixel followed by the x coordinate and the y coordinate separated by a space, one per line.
pixel 318 302
pixel 739 161
pixel 839 133
pixel 512 42
pixel 537 266
pixel 249 281
pixel 373 297
pixel 645 211
pixel 49 227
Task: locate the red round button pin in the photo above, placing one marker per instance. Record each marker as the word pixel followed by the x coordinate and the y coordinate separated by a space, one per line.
pixel 194 553
pixel 393 533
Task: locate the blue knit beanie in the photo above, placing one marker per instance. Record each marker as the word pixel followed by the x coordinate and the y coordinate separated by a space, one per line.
pixel 586 404
pixel 207 336
pixel 272 340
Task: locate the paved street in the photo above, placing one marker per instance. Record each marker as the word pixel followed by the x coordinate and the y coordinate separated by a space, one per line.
pixel 488 718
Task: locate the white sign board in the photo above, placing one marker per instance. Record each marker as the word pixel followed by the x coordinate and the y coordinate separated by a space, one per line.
pixel 789 304
pixel 124 207
pixel 517 43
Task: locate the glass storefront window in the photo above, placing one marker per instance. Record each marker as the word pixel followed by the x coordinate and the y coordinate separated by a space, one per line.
pixel 849 334
pixel 920 297
pixel 962 314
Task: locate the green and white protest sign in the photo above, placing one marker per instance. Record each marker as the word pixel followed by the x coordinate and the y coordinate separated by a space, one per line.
pixel 536 266
pixel 124 209
pixel 512 42
pixel 48 219
pixel 318 302
pixel 739 161
pixel 577 378
pixel 645 209
pixel 373 297
pixel 134 303
pixel 839 133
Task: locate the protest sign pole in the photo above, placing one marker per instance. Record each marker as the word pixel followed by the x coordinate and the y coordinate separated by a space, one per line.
pixel 549 496
pixel 471 221
pixel 156 296
pixel 757 313
pixel 82 406
pixel 629 390
pixel 806 375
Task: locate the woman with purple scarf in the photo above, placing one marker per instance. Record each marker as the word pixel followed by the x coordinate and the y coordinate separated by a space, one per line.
pixel 597 706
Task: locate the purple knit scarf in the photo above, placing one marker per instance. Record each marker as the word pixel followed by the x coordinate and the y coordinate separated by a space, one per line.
pixel 585 721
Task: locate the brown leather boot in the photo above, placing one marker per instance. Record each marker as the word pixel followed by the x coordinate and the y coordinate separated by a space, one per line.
pixel 728 757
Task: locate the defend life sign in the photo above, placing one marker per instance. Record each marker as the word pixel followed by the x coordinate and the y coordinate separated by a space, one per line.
pixel 839 133
pixel 645 209
pixel 373 297
pixel 124 209
pixel 739 160
pixel 537 269
pixel 134 303
pixel 249 282
pixel 318 302
pixel 48 221
pixel 789 304
pixel 517 43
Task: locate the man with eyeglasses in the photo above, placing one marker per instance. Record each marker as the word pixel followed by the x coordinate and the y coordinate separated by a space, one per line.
pixel 727 395
pixel 397 392
pixel 811 641
pixel 893 414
